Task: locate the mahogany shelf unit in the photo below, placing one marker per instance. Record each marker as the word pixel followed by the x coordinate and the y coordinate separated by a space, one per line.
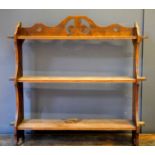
pixel 78 30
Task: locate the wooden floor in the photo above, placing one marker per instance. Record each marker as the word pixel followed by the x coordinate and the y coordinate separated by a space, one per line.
pixel 79 139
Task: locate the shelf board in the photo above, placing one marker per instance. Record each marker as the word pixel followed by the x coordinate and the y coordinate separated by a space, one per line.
pixel 83 124
pixel 53 79
pixel 36 37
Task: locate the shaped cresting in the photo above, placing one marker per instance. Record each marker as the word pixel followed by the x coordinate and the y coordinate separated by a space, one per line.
pixel 78 26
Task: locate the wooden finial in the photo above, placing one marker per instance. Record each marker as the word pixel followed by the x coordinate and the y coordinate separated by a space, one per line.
pixel 137 28
pixel 17 28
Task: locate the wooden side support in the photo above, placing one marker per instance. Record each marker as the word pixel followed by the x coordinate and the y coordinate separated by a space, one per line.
pixel 135 113
pixel 18 87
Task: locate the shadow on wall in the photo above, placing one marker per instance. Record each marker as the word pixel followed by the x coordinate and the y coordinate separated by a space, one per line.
pixel 78 58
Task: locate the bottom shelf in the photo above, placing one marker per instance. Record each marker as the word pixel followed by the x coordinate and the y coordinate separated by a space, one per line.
pixel 76 124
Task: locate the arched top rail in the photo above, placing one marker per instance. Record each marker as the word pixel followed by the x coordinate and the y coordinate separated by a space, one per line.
pixel 77 27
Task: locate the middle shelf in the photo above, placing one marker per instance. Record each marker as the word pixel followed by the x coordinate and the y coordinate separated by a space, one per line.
pixel 82 79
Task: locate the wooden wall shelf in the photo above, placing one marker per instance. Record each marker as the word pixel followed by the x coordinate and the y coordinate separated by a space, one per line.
pixel 76 37
pixel 44 79
pixel 84 124
pixel 76 28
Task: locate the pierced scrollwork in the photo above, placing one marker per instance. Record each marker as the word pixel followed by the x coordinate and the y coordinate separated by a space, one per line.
pixel 39 29
pixel 116 29
pixel 83 29
pixel 76 26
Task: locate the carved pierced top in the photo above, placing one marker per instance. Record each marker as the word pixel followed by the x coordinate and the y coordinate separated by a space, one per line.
pixel 76 27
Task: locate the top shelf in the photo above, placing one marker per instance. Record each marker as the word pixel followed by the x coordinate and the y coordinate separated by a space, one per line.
pixel 76 37
pixel 77 28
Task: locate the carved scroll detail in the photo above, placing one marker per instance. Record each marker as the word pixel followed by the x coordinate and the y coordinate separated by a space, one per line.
pixel 76 26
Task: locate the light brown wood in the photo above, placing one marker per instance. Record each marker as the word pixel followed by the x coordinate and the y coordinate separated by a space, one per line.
pixel 18 86
pixel 85 124
pixel 76 37
pixel 141 123
pixel 40 79
pixel 135 106
pixel 76 27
